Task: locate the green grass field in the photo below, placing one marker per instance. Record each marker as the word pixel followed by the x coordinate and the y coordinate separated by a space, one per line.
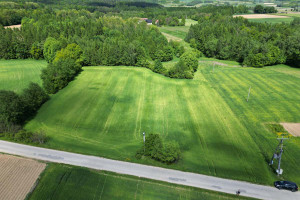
pixel 106 109
pixel 273 20
pixel 178 31
pixel 17 74
pixel 66 182
pixel 289 14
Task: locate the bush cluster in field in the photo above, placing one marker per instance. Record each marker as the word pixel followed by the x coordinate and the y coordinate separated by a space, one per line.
pixel 168 152
pixel 26 136
pixel 16 109
pixel 184 69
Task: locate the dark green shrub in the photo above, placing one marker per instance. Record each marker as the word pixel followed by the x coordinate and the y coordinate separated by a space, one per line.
pixel 171 152
pixel 39 137
pixel 11 108
pixel 9 128
pixel 33 97
pixel 155 149
pixel 276 128
pixel 139 154
pixel 64 67
pixel 23 136
pixel 177 48
pixel 190 58
pixel 51 46
pixel 158 67
pixel 57 75
pixel 36 51
pixel 153 146
pixel 181 70
pixel 143 62
pixel 168 53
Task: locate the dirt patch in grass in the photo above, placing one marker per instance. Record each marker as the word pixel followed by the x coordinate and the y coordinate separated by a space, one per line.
pixel 171 37
pixel 13 26
pixel 292 128
pixel 217 63
pixel 213 62
pixel 18 176
pixel 260 16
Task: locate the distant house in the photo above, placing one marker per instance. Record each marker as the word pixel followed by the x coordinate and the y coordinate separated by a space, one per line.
pixel 148 21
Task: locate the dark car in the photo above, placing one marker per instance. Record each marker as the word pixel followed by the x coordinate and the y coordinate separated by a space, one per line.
pixel 288 185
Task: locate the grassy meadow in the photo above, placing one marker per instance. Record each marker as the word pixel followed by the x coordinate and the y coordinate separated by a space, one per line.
pixel 67 182
pixel 289 14
pixel 17 74
pixel 106 109
pixel 178 31
pixel 273 20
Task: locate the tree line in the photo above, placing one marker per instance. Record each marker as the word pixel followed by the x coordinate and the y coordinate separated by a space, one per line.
pixel 252 44
pixel 259 9
pixel 70 39
pixel 124 9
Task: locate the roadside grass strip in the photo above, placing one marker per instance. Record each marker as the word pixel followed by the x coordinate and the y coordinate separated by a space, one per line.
pixel 69 182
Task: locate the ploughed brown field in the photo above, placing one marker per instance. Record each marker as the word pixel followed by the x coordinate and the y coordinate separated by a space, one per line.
pixel 292 128
pixel 18 176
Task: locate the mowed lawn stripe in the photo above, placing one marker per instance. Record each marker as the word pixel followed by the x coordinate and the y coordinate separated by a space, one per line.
pixel 257 90
pixel 264 105
pixel 267 94
pixel 280 89
pixel 226 130
pixel 264 90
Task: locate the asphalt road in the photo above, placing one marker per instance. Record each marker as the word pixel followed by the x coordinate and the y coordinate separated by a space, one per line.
pixel 150 172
